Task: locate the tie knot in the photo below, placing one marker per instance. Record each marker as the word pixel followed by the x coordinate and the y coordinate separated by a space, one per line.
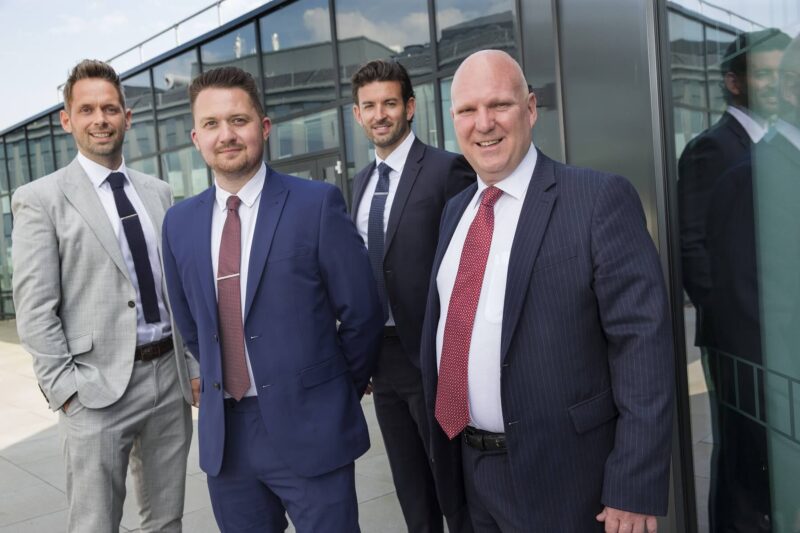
pixel 116 180
pixel 490 196
pixel 383 170
pixel 233 202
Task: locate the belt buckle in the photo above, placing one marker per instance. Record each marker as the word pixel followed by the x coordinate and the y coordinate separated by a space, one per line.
pixel 149 351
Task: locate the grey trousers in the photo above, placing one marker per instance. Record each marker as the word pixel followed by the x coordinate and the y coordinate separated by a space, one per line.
pixel 150 428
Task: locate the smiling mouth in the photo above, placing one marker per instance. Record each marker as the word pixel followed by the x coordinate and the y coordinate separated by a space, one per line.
pixel 486 144
pixel 101 135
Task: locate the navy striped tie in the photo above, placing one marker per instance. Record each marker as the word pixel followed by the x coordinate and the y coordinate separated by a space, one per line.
pixel 138 246
pixel 375 233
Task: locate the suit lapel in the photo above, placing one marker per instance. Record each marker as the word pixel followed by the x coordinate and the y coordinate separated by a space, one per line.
pixel 202 247
pixel 79 191
pixel 533 219
pixel 455 209
pixel 737 129
pixel 407 178
pixel 362 178
pixel 273 198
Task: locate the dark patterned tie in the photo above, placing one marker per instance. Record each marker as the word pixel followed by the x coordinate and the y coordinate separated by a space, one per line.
pixel 132 227
pixel 235 378
pixel 375 233
pixel 452 400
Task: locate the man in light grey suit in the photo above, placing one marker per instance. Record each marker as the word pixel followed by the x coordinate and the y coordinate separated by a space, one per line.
pixel 92 310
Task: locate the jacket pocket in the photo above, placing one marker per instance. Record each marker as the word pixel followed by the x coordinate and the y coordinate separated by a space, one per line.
pixel 325 371
pixel 80 344
pixel 555 257
pixel 280 255
pixel 595 411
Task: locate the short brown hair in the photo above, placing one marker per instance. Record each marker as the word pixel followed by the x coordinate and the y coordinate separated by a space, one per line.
pixel 92 68
pixel 227 78
pixel 382 70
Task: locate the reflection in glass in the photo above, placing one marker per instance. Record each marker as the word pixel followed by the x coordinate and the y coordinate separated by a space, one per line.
pixel 466 26
pixel 186 171
pixel 450 142
pixel 234 49
pixel 5 244
pixel 303 135
pixel 17 155
pixel 171 81
pixel 369 29
pixel 41 149
pixel 63 141
pixel 141 138
pixel 298 57
pixel 148 165
pixel 424 124
pixel 737 112
pixel 3 172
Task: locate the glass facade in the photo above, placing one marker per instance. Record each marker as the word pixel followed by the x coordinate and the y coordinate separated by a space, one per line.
pixel 735 77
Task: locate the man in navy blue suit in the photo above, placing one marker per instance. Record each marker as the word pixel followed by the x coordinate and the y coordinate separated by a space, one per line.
pixel 546 352
pixel 397 213
pixel 260 268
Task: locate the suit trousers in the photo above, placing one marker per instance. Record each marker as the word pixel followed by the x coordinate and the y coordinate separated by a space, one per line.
pixel 403 419
pixel 254 489
pixel 149 429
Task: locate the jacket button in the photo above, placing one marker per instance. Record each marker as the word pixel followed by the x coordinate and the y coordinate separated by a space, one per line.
pixel 216 385
pixel 131 304
pixel 216 338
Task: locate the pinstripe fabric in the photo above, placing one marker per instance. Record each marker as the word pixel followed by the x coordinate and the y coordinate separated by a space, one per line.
pixel 586 352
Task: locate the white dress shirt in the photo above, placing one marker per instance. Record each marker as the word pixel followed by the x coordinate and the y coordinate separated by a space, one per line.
pixel 145 332
pixel 250 195
pixel 485 403
pixel 755 127
pixel 396 161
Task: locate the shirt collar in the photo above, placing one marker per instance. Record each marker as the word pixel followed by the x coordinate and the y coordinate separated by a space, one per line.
pixel 98 173
pixel 754 125
pixel 248 194
pixel 516 183
pixel 397 159
pixel 792 133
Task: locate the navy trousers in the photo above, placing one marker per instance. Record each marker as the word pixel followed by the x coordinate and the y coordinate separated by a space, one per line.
pixel 255 489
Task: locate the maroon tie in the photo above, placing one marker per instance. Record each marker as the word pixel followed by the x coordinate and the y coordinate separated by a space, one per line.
pixel 235 378
pixel 452 403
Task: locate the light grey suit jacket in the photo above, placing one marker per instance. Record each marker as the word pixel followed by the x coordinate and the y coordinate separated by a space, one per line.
pixel 72 290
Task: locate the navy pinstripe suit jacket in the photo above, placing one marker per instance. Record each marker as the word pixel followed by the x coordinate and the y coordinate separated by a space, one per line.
pixel 587 360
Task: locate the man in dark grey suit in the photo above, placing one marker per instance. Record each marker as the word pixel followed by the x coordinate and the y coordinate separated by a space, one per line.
pixel 397 214
pixel 92 310
pixel 546 352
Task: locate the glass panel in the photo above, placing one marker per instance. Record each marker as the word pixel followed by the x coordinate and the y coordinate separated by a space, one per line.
pixel 17 154
pixel 186 171
pixel 41 148
pixel 141 138
pixel 148 165
pixel 466 26
pixel 450 143
pixel 298 57
pixel 65 145
pixel 358 150
pixel 369 29
pixel 424 123
pixel 171 81
pixel 3 172
pixel 234 49
pixel 303 135
pixel 740 247
pixel 5 244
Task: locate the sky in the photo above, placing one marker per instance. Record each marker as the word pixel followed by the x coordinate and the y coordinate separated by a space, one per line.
pixel 42 40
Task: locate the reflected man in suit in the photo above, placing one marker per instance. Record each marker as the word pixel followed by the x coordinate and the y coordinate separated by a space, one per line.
pixel 546 352
pixel 92 311
pixel 397 203
pixel 273 292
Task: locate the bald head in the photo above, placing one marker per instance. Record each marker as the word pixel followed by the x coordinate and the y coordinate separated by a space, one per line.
pixel 493 113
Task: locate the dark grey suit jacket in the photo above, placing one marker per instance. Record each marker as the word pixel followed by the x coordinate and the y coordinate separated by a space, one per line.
pixel 586 353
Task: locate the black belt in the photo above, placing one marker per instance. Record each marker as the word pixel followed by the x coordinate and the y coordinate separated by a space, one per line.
pixel 484 440
pixel 389 331
pixel 153 350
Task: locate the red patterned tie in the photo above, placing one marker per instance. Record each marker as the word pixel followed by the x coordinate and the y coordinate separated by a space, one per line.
pixel 235 378
pixel 452 403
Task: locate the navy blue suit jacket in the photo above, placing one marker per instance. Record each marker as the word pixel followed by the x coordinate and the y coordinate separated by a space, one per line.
pixel 308 268
pixel 586 352
pixel 430 177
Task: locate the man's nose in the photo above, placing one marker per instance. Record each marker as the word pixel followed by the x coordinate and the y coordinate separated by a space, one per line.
pixel 484 119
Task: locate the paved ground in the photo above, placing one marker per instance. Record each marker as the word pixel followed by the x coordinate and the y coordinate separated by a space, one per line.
pixel 32 473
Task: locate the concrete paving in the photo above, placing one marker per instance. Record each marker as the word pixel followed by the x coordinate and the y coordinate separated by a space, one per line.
pixel 32 484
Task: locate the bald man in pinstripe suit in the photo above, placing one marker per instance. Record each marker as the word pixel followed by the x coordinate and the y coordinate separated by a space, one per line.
pixel 546 353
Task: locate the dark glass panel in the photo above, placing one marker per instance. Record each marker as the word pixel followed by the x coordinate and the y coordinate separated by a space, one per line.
pixel 466 26
pixel 141 138
pixel 41 148
pixel 171 81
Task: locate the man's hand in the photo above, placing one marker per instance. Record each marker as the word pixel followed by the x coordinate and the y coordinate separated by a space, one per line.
pixel 195 392
pixel 617 521
pixel 66 404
